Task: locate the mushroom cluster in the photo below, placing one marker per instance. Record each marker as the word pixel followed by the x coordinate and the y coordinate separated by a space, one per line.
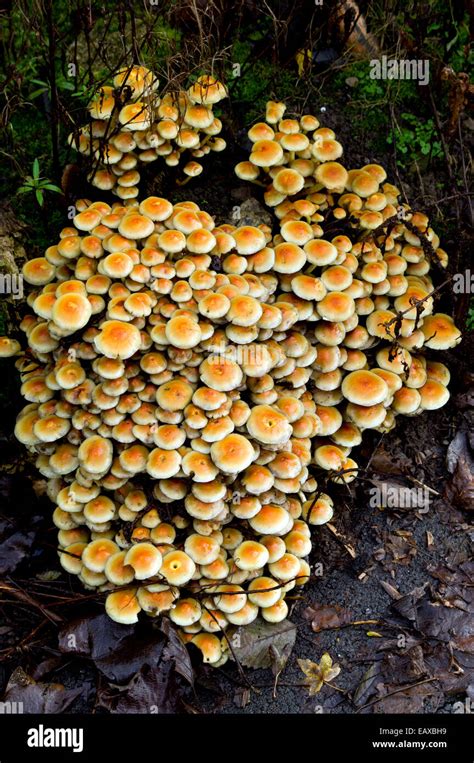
pixel 167 403
pixel 187 384
pixel 130 124
pixel 365 288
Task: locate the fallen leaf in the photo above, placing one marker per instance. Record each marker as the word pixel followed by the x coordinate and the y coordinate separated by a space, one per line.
pixel 15 546
pixel 152 690
pixel 387 462
pixel 460 463
pixel 118 651
pixel 318 675
pixel 324 616
pixel 38 697
pixel 252 643
pixel 176 651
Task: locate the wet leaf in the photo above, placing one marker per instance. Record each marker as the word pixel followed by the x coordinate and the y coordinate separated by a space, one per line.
pixel 460 463
pixel 364 689
pixel 118 651
pixel 252 643
pixel 152 690
pixel 176 651
pixel 386 461
pixel 38 697
pixel 324 616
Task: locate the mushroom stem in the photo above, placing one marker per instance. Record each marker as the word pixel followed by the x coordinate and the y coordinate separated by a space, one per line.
pixel 183 181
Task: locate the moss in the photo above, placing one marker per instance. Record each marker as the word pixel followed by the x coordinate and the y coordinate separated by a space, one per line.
pixel 258 81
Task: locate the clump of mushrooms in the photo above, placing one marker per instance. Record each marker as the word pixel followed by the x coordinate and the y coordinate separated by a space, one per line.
pixel 185 381
pixel 131 125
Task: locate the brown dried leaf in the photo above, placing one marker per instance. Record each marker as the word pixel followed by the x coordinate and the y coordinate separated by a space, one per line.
pixel 253 643
pixel 324 616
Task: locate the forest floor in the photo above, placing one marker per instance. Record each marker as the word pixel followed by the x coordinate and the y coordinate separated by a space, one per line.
pixel 393 606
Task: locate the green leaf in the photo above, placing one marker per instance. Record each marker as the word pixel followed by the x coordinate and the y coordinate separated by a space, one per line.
pixel 39 197
pixel 36 169
pixel 24 189
pixel 51 187
pixel 37 92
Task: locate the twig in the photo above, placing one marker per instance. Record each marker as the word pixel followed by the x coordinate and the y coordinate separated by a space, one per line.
pixel 396 691
pixel 22 596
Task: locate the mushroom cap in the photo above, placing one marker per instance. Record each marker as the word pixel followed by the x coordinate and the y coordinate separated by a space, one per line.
pixel 157 598
pixel 248 239
pixel 288 182
pixel 220 373
pixel 38 271
pixel 123 606
pixel 209 645
pixel 117 339
pixel 366 416
pixel 331 175
pixel 270 520
pixel 99 509
pixel 440 332
pixel 244 616
pixel 336 306
pixel 95 454
pixel 116 571
pixel 244 310
pixel 186 612
pixel 232 454
pixel 163 464
pixel 268 425
pixel 202 549
pixel 298 543
pixel 97 552
pixel 406 400
pixel 202 468
pixel 156 208
pixel 71 311
pixel 207 90
pixel 277 613
pixel 250 555
pixel 289 258
pixel 329 457
pixel 70 557
pixel 177 567
pixel 174 395
pixel 246 171
pixel 183 332
pixel 433 395
pixel 320 252
pixel 266 153
pixel 320 511
pixel 364 388
pixel 261 131
pixel 145 559
pixel 286 568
